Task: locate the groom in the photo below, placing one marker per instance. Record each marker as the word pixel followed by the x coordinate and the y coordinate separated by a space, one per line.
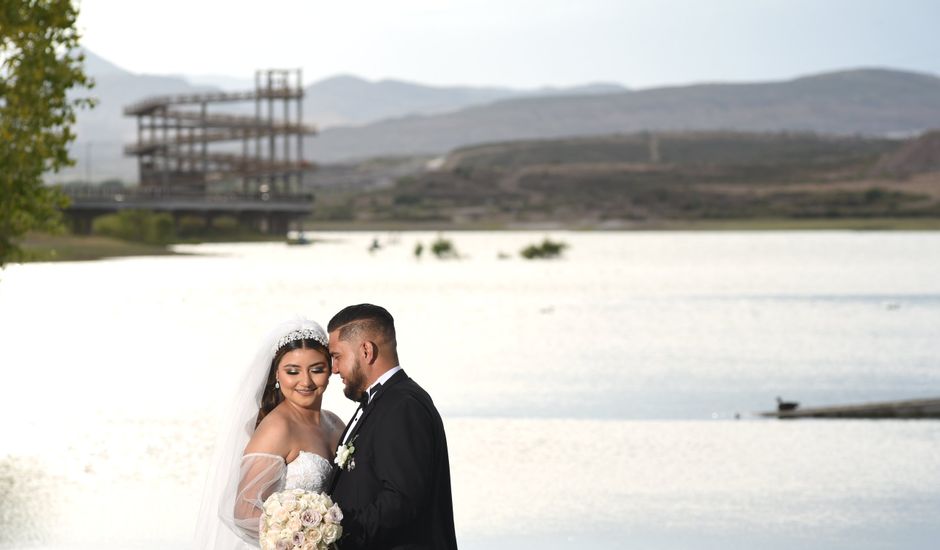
pixel 392 478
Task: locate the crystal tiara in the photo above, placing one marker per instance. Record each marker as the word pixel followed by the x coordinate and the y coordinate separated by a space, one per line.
pixel 303 334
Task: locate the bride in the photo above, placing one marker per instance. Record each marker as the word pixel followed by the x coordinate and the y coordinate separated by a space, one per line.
pixel 280 438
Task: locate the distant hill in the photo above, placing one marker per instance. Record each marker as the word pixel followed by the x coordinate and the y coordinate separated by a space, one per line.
pixel 647 178
pixel 779 155
pixel 343 100
pixel 98 66
pixel 918 156
pixel 866 101
pixel 102 132
pixel 351 101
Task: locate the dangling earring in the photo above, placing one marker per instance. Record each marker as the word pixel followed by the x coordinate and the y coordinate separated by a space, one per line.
pixel 277 384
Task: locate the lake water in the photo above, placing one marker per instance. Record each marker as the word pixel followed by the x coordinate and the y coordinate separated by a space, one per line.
pixel 589 400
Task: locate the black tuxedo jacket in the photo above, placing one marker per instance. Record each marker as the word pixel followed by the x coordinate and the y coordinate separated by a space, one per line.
pixel 398 494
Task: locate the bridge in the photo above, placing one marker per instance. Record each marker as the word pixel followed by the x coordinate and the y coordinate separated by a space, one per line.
pixel 268 212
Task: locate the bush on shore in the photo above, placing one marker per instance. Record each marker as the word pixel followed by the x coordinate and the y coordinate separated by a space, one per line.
pixel 136 226
pixel 159 228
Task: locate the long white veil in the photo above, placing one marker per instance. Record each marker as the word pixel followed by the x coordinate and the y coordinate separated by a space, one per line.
pixel 211 532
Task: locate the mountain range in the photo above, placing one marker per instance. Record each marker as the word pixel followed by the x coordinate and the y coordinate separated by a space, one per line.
pixel 363 119
pixel 343 100
pixel 866 101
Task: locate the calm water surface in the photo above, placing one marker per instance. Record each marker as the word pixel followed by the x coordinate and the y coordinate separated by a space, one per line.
pixel 587 401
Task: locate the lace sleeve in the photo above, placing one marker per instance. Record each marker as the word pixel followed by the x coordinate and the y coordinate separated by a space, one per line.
pixel 260 475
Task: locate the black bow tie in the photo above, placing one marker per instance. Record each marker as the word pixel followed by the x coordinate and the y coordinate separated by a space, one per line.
pixel 364 399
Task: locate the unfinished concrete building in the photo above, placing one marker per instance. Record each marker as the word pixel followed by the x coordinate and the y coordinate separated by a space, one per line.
pixel 184 146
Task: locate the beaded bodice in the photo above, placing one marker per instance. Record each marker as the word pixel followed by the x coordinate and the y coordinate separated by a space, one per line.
pixel 309 471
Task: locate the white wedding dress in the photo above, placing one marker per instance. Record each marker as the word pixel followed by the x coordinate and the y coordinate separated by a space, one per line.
pixel 309 471
pixel 263 474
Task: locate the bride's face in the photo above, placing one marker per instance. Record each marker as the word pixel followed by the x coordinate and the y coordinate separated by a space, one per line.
pixel 304 375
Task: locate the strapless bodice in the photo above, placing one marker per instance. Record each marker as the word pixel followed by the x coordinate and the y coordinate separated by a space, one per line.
pixel 309 471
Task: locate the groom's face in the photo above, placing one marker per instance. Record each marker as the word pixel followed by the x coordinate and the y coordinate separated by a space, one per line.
pixel 347 365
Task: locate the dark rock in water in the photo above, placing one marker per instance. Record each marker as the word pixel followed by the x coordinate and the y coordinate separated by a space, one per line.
pixel 786 405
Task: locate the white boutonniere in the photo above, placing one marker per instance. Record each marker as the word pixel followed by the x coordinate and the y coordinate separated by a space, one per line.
pixel 344 455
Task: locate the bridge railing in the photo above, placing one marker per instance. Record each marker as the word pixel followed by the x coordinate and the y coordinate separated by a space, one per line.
pixel 157 194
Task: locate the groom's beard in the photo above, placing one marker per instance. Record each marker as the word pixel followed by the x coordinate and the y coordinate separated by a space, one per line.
pixel 355 382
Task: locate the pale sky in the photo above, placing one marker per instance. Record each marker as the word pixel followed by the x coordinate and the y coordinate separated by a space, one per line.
pixel 518 43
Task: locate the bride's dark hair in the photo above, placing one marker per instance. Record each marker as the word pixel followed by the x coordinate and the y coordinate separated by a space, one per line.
pixel 272 396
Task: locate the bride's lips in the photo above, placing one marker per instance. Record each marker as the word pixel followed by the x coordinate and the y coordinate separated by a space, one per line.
pixel 305 392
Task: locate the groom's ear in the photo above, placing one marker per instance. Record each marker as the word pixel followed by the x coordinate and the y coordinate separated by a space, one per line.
pixel 370 351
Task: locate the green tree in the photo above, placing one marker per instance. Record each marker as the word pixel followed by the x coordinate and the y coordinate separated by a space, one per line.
pixel 39 62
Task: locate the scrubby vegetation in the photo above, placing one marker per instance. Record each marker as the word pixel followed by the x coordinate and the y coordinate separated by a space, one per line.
pixel 141 226
pixel 650 178
pixel 444 249
pixel 136 226
pixel 547 249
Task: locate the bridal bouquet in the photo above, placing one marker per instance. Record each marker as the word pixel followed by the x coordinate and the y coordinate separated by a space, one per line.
pixel 299 520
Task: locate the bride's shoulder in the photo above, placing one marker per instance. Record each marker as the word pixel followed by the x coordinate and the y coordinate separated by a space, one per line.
pixel 271 436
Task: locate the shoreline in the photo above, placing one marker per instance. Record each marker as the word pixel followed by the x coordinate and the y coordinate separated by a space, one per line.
pixel 39 248
pixel 74 248
pixel 43 247
pixel 750 224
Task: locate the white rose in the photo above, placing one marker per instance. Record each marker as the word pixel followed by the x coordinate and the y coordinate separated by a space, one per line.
pixel 334 514
pixel 331 533
pixel 294 524
pixel 310 518
pixel 271 506
pixel 315 534
pixel 281 516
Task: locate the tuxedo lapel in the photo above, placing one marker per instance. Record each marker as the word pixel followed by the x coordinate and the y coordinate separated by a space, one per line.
pixel 342 438
pixel 396 378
